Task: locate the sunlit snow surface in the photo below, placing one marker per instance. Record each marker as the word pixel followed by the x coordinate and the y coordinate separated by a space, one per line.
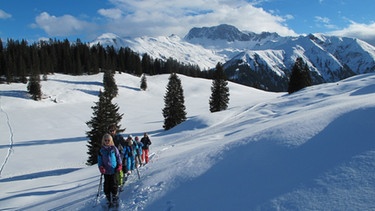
pixel 311 150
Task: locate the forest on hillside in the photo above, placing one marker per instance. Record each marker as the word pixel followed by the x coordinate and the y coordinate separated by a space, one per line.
pixel 19 60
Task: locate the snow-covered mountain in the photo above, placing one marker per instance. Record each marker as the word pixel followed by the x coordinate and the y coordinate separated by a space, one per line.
pixel 165 47
pixel 263 60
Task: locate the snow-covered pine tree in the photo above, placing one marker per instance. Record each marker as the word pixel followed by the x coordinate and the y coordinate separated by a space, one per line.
pixel 174 111
pixel 219 98
pixel 300 76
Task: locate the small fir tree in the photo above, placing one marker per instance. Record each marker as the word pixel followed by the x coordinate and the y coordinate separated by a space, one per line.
pixel 219 98
pixel 174 110
pixel 300 77
pixel 109 84
pixel 34 87
pixel 143 82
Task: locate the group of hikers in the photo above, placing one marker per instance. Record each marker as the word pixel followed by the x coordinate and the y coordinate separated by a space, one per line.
pixel 118 157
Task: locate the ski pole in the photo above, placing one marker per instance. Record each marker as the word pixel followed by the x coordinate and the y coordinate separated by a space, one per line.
pixel 139 162
pixel 139 176
pixel 99 189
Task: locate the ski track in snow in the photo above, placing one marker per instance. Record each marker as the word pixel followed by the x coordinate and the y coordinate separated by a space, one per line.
pixel 10 149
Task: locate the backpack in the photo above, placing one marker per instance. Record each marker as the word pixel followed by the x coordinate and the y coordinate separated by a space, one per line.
pixel 130 153
pixel 118 141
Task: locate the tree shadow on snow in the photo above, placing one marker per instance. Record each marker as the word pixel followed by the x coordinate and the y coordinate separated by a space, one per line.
pixel 96 83
pixel 49 173
pixel 15 94
pixel 44 142
pixel 129 87
pixel 90 92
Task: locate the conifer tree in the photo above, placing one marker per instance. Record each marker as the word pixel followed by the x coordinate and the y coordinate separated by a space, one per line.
pixel 143 82
pixel 34 87
pixel 300 77
pixel 109 84
pixel 2 59
pixel 219 91
pixel 105 113
pixel 174 110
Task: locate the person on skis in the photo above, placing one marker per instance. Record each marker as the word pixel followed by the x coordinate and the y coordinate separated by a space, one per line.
pixel 139 151
pixel 119 142
pixel 129 154
pixel 109 162
pixel 145 149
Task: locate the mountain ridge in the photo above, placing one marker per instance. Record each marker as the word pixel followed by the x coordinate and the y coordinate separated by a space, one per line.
pixel 330 58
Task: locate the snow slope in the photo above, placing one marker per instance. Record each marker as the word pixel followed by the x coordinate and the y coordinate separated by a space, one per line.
pixel 312 150
pixel 165 47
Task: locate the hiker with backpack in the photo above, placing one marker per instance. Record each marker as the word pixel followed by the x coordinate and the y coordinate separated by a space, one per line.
pixel 145 149
pixel 109 162
pixel 119 142
pixel 118 139
pixel 139 151
pixel 129 154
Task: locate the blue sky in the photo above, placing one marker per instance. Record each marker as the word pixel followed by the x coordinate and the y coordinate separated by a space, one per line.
pixel 88 19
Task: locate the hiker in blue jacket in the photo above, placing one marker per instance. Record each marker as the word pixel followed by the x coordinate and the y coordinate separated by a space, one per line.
pixel 119 142
pixel 129 154
pixel 109 162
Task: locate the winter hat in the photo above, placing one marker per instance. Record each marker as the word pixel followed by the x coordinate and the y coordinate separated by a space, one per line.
pixel 130 136
pixel 130 142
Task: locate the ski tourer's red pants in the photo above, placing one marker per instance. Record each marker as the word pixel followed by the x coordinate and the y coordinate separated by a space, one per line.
pixel 145 155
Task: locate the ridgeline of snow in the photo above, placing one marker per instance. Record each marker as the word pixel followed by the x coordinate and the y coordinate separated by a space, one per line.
pixel 164 48
pixel 311 150
pixel 262 57
pixel 331 57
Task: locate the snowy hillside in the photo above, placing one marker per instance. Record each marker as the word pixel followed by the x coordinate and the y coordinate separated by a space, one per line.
pixel 330 58
pixel 312 150
pixel 164 48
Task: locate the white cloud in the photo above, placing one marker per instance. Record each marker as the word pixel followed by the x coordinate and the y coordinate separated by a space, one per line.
pixel 322 19
pixel 111 13
pixel 136 18
pixel 362 31
pixel 289 17
pixel 161 17
pixel 326 22
pixel 61 26
pixel 4 15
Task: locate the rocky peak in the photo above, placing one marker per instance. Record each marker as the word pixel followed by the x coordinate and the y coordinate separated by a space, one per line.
pixel 220 32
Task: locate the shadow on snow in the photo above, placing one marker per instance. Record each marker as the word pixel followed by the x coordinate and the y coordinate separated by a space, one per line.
pixel 15 93
pixel 269 170
pixel 44 142
pixel 49 173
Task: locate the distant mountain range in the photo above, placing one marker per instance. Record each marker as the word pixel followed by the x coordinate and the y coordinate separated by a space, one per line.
pixel 260 60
